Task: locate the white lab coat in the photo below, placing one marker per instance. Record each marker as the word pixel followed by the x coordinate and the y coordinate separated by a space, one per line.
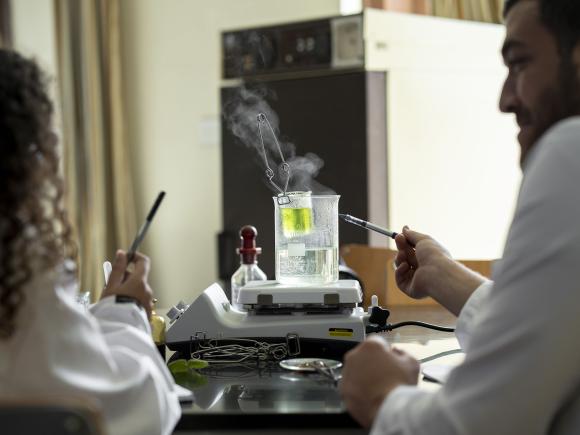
pixel 521 333
pixel 108 356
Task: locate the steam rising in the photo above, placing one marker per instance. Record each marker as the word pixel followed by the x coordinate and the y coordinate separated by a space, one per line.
pixel 241 114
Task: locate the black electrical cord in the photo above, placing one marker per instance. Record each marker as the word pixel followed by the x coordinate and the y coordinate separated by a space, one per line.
pixel 378 322
pixel 391 326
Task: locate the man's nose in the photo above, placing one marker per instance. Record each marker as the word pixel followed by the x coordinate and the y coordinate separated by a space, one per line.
pixel 508 100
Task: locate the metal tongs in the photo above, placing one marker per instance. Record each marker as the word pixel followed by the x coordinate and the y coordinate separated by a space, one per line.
pixel 283 198
pixel 322 368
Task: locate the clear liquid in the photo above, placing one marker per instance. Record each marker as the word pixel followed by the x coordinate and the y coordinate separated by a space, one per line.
pixel 316 266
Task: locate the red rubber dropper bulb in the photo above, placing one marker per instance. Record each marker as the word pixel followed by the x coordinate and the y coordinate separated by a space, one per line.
pixel 248 250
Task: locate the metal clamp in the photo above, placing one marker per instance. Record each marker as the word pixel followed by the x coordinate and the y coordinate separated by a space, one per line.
pixel 198 336
pixel 293 344
pixel 283 198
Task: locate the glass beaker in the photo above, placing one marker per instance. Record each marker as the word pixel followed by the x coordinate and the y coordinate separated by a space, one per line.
pixel 306 237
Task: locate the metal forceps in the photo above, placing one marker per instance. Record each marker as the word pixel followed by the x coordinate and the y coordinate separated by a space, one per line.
pixel 282 198
pixel 322 368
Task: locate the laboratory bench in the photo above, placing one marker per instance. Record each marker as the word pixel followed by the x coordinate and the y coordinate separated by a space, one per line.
pixel 266 399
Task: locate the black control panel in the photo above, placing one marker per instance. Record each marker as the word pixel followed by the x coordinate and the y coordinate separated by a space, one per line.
pixel 283 48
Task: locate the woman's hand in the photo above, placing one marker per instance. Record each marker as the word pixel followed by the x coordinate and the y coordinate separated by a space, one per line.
pixel 133 284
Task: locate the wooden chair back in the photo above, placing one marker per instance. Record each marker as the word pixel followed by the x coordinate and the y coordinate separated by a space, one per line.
pixel 50 415
pixel 375 268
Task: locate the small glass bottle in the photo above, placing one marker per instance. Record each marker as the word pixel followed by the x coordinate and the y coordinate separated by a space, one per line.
pixel 248 270
pixel 158 331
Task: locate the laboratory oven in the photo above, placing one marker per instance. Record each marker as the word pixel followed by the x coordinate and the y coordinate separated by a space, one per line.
pixel 402 110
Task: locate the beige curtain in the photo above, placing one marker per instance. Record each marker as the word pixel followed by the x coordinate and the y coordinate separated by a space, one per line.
pixel 489 11
pixel 97 162
pixel 5 24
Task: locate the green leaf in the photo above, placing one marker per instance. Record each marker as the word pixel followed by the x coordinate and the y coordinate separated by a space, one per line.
pixel 197 364
pixel 178 366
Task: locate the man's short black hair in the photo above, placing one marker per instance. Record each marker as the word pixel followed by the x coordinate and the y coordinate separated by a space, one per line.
pixel 561 18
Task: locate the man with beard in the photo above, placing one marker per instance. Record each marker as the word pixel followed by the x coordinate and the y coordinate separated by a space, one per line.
pixel 521 373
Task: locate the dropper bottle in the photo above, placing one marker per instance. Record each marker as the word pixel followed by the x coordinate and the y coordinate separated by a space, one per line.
pixel 248 270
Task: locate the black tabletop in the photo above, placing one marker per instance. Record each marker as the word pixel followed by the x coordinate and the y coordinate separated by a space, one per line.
pixel 265 396
pixel 261 395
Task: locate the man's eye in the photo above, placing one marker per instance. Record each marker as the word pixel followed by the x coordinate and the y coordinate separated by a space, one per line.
pixel 517 64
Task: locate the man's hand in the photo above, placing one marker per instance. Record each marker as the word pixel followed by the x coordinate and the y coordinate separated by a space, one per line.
pixel 134 284
pixel 425 268
pixel 419 262
pixel 370 373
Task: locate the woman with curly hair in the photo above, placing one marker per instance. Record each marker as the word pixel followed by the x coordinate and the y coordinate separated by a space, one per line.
pixel 48 345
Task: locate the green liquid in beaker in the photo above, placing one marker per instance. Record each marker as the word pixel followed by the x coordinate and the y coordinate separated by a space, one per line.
pixel 296 221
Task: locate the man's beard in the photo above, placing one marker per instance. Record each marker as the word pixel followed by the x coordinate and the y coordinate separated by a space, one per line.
pixel 570 87
pixel 555 104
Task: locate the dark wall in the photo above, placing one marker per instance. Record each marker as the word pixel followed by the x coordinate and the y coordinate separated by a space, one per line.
pixel 324 115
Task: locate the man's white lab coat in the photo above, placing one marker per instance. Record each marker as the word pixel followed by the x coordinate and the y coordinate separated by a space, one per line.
pixel 521 333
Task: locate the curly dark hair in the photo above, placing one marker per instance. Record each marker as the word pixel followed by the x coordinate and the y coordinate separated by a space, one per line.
pixel 561 18
pixel 35 234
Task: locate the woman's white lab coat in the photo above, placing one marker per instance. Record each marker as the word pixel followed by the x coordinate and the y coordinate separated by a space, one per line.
pixel 107 355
